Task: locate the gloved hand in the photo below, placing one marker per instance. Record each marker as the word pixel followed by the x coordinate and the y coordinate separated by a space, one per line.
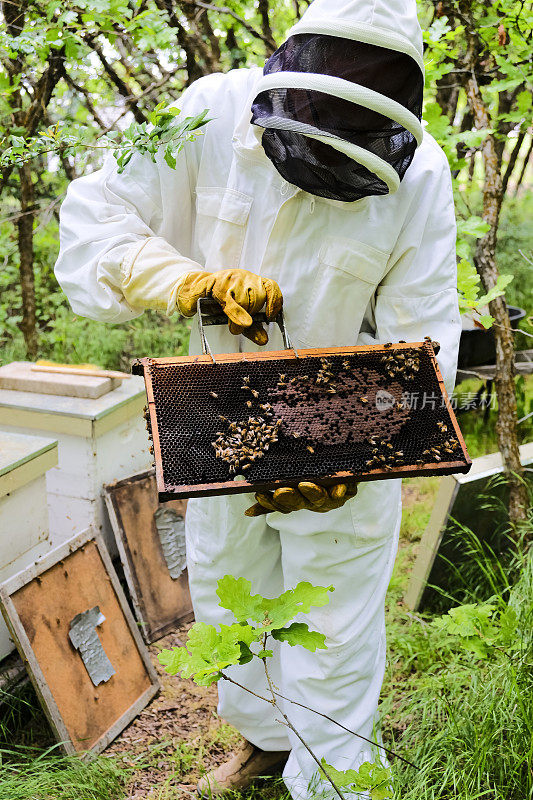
pixel 240 293
pixel 308 495
pixel 155 275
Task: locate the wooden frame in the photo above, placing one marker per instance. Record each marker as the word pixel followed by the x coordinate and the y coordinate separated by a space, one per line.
pixel 142 367
pixel 160 603
pixel 12 597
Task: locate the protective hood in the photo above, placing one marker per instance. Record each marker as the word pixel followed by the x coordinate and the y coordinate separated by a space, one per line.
pixel 392 24
pixel 341 100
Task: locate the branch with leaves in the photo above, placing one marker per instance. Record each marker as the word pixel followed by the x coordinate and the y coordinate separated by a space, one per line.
pixel 161 131
pixel 210 650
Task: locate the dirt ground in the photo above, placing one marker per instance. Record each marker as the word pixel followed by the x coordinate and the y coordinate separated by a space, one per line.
pixel 177 737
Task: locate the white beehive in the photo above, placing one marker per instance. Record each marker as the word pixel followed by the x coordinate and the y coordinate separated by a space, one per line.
pixel 101 438
pixel 24 525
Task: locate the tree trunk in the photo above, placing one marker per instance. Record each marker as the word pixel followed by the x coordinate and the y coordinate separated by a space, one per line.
pixel 28 324
pixel 524 167
pixel 264 10
pixel 513 157
pixel 506 427
pixel 195 70
pixel 447 95
pixel 123 89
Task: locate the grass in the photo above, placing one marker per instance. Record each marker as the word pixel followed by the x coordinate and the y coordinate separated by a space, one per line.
pixel 186 757
pixel 31 769
pixel 467 723
pixel 33 774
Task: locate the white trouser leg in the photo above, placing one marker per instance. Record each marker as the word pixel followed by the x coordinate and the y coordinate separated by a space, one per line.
pixel 222 541
pixel 352 548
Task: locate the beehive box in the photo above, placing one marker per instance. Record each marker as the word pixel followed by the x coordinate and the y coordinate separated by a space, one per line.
pixel 249 421
pixel 24 525
pixel 100 439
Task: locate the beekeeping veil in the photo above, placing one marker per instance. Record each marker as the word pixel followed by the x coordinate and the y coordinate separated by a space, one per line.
pixel 341 100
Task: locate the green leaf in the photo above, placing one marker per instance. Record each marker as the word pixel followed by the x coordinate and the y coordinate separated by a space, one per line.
pixel 174 660
pixel 246 653
pixel 271 613
pixel 478 628
pixel 209 651
pixel 235 595
pixel 473 226
pixel 468 279
pixel 276 613
pixel 299 633
pixel 524 101
pixel 473 138
pixel 370 777
pixel 497 290
pixel 438 28
pixel 508 624
pixel 466 620
pixel 170 159
pixel 438 123
pixel 486 320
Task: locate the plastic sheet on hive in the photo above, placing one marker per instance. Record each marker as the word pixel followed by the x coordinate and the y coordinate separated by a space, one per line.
pixel 251 421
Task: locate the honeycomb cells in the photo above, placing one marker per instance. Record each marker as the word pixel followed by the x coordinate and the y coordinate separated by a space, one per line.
pixel 308 417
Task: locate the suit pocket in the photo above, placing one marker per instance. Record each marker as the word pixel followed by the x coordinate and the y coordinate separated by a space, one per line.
pixel 221 221
pixel 347 275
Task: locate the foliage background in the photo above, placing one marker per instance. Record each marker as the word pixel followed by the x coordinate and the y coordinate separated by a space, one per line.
pixel 71 73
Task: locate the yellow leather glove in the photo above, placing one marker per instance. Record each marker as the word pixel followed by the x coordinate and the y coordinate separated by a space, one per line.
pixel 308 495
pixel 240 293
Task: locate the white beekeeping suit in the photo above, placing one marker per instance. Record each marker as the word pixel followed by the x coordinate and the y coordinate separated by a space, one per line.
pixel 376 265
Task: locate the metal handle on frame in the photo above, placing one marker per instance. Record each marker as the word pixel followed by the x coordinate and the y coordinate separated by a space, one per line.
pixel 207 317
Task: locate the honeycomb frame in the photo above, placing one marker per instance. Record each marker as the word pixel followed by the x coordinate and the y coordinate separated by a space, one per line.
pixel 308 415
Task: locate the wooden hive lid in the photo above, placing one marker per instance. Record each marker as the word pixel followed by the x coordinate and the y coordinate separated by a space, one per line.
pixel 18 376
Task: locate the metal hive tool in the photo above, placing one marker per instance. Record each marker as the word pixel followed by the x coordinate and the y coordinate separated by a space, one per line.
pixel 241 422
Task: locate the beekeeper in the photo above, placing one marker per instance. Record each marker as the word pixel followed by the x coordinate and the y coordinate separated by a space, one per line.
pixel 313 180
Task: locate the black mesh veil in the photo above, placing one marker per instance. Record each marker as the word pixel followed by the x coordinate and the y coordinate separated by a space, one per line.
pixel 313 165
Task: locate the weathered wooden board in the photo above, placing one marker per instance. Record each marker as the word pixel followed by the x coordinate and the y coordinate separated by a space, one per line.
pixel 39 606
pixel 161 601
